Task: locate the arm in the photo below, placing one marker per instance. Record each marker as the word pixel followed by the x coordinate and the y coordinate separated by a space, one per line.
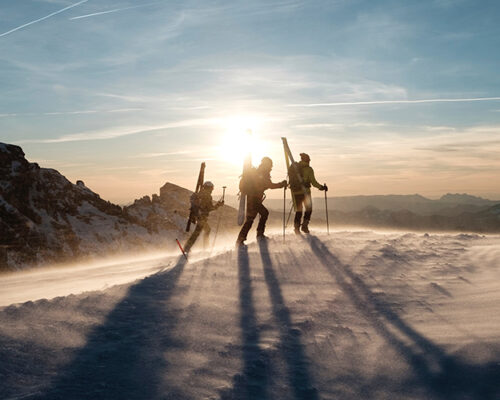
pixel 268 184
pixel 309 177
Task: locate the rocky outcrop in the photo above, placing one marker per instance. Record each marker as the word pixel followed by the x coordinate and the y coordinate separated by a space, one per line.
pixel 44 217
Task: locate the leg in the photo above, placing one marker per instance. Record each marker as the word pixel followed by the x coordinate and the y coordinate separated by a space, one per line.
pixel 307 214
pixel 193 237
pixel 264 213
pixel 299 200
pixel 250 216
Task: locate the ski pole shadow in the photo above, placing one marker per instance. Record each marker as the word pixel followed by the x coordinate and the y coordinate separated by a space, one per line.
pixel 122 358
pixel 443 375
pixel 293 351
pixel 252 383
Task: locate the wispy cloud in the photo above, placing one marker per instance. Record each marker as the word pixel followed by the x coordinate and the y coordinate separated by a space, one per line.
pixel 361 103
pixel 42 19
pixel 121 131
pixel 78 112
pixel 115 10
pixel 154 155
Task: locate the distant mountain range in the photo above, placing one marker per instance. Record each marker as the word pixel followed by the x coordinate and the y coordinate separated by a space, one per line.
pixel 449 204
pixel 452 212
pixel 44 217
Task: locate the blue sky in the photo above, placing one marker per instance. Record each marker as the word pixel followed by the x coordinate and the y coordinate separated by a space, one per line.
pixel 386 96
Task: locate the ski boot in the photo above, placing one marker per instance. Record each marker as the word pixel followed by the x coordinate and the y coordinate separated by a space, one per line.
pixel 240 243
pixel 261 237
pixel 305 227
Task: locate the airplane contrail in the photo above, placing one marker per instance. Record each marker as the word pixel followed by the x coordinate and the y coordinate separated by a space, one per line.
pixel 113 11
pixel 43 18
pixel 357 103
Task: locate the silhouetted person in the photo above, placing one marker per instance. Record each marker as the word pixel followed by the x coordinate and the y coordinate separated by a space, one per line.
pixel 203 205
pixel 253 183
pixel 302 193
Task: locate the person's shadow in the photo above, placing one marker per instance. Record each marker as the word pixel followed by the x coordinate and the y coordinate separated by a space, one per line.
pixel 299 378
pixel 443 375
pixel 123 357
pixel 252 383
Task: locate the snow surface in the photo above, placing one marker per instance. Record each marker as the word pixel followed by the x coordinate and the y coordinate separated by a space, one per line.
pixel 352 315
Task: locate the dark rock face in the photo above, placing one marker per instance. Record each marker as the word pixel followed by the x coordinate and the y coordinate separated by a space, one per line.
pixel 46 217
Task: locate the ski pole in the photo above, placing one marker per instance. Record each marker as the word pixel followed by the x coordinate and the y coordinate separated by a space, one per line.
pixel 180 247
pixel 326 207
pixel 284 212
pixel 289 214
pixel 220 216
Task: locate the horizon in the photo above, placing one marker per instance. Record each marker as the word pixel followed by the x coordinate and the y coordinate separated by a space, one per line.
pixel 386 98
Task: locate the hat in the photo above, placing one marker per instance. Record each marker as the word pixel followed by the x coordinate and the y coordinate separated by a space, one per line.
pixel 267 160
pixel 305 157
pixel 208 184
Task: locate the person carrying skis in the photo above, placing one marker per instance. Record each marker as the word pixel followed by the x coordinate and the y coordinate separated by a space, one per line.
pixel 254 183
pixel 302 193
pixel 204 204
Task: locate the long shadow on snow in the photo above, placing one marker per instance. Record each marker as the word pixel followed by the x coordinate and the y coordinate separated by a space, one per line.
pixel 444 375
pixel 123 357
pixel 291 346
pixel 253 382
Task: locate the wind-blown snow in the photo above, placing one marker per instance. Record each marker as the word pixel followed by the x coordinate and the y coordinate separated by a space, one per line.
pixel 353 315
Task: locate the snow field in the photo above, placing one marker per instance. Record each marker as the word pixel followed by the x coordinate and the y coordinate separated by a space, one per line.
pixel 351 315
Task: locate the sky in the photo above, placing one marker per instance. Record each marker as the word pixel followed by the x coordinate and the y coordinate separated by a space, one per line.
pixel 387 97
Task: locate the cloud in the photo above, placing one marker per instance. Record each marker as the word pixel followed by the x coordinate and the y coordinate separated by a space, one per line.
pixel 377 102
pixel 154 155
pixel 116 132
pixel 43 18
pixel 115 10
pixel 77 112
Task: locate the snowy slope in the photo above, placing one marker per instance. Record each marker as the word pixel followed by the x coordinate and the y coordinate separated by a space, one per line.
pixel 45 218
pixel 353 315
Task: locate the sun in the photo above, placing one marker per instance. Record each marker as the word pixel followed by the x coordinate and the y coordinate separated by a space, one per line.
pixel 241 136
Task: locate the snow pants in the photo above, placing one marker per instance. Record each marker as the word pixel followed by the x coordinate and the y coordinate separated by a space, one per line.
pixel 202 225
pixel 254 207
pixel 302 201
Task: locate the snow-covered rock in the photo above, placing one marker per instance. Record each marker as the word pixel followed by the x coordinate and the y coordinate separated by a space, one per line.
pixel 44 217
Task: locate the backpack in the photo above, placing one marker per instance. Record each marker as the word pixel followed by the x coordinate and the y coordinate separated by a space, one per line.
pixel 195 207
pixel 248 181
pixel 295 182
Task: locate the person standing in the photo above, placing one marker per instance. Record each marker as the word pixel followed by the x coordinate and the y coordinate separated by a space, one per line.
pixel 203 204
pixel 254 183
pixel 302 192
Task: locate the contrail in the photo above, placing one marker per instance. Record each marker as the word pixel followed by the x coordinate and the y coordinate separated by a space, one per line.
pixel 117 110
pixel 41 19
pixel 113 11
pixel 358 103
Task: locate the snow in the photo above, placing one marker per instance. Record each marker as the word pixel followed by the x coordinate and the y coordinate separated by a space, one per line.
pixel 352 315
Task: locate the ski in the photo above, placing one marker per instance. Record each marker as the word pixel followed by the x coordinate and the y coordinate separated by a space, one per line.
pixel 243 197
pixel 199 184
pixel 180 247
pixel 291 162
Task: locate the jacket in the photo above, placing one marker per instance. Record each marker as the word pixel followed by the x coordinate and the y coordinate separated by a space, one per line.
pixel 308 179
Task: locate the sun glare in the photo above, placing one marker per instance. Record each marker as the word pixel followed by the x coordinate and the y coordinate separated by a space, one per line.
pixel 241 135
